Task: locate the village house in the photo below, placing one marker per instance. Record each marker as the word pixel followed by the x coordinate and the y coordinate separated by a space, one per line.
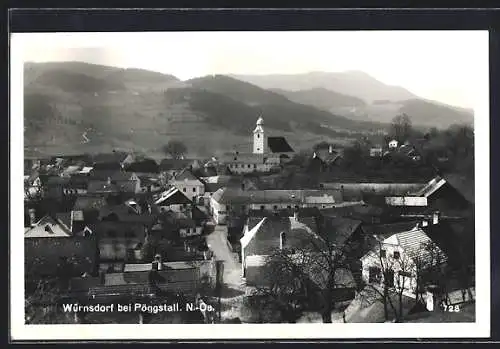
pixel 229 201
pixel 55 240
pixel 301 237
pixel 397 253
pixel 127 182
pixel 393 144
pixel 169 168
pixel 172 199
pixel 121 231
pixel 189 185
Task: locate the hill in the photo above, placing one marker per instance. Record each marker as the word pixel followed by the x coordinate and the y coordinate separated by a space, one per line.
pixel 352 83
pixel 74 107
pixel 322 98
pixel 424 113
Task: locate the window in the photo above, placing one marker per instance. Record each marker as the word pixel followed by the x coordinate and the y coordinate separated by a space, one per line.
pixel 275 207
pixel 194 190
pixel 382 253
pixel 249 165
pixel 396 255
pixel 374 275
pixel 184 189
pixel 262 207
pixel 255 165
pixel 258 135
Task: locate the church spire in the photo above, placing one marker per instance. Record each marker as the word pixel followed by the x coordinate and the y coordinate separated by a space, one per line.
pixel 258 137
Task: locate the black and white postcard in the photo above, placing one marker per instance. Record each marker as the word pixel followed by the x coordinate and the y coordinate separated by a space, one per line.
pixel 225 185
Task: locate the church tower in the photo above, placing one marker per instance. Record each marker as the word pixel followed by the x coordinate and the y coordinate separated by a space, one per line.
pixel 259 140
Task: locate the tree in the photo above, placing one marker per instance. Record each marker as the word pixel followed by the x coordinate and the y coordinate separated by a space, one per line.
pixel 176 149
pixel 310 275
pixel 401 128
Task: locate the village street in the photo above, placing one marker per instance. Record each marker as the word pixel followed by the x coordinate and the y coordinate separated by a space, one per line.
pixel 217 242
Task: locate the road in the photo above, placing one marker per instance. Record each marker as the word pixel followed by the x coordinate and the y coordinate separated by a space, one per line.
pixel 217 241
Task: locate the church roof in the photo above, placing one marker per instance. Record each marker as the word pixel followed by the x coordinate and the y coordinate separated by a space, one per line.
pixel 278 145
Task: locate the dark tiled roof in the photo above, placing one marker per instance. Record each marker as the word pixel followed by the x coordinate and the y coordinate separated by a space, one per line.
pixel 80 182
pixel 386 230
pixel 103 175
pixel 173 196
pixel 247 158
pixel 463 185
pixel 303 212
pixel 186 175
pixel 336 230
pixel 294 197
pixel 83 203
pixel 278 145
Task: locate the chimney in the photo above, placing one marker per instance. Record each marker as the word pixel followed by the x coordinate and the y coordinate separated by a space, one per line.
pixel 296 214
pixel 157 263
pixel 435 217
pixel 330 148
pixel 77 222
pixel 32 214
pixel 282 240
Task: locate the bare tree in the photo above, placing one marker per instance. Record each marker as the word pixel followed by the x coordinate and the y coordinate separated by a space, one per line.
pixel 312 275
pixel 401 127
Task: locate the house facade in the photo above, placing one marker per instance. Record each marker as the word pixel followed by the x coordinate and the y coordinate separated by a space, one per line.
pixel 228 201
pixel 189 185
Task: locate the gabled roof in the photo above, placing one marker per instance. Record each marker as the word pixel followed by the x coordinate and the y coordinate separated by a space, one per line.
pixel 387 230
pixel 173 196
pixel 278 145
pixel 125 213
pixel 48 227
pixel 463 185
pixel 144 165
pixel 337 230
pixel 186 175
pixel 431 187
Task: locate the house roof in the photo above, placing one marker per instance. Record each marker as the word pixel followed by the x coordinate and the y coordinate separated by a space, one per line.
pixel 125 213
pixel 247 158
pixel 302 212
pixel 103 175
pixel 336 230
pixel 175 164
pixel 110 165
pixel 431 187
pixel 172 196
pixel 387 230
pixel 238 196
pixel 101 187
pixel 84 203
pixel 278 145
pixel 272 227
pixel 186 175
pixel 359 211
pixel 48 227
pixel 65 219
pixel 463 185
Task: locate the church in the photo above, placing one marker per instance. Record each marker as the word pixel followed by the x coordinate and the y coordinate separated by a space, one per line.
pixel 268 153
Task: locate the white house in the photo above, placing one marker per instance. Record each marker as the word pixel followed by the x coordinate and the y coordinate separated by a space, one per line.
pixel 172 200
pixel 227 201
pixel 189 185
pixel 398 253
pixel 393 144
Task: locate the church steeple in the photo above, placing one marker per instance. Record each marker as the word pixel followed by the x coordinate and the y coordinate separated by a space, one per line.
pixel 258 137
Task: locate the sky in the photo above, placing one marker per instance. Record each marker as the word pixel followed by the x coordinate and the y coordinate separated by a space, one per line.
pixel 437 65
